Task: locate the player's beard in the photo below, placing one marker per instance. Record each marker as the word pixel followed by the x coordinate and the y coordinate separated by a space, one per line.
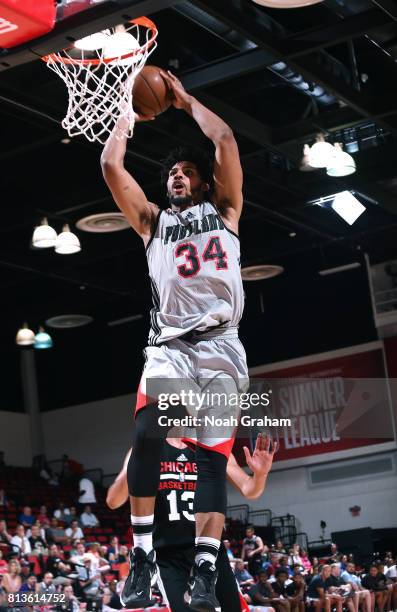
pixel 180 201
pixel 184 201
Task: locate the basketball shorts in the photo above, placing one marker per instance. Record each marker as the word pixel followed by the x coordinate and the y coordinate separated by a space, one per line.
pixel 209 371
pixel 174 565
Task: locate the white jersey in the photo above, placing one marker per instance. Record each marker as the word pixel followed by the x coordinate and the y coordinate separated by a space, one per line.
pixel 194 267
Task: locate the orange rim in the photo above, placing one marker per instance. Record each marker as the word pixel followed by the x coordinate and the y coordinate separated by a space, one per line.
pixel 140 21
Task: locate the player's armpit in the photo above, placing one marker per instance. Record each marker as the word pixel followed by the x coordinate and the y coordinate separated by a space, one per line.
pixel 130 198
pixel 228 177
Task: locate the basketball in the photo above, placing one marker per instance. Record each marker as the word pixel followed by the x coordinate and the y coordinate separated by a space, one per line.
pixel 151 95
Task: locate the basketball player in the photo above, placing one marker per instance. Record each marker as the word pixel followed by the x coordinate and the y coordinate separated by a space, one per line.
pixel 173 535
pixel 193 256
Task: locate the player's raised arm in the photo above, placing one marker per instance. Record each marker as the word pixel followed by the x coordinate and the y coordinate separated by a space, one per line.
pixel 228 175
pixel 126 192
pixel 117 493
pixel 260 463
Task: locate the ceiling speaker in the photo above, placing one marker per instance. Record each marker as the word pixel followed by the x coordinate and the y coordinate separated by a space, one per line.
pixel 286 4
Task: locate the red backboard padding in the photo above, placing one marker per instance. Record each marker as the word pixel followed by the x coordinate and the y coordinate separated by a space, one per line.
pixel 22 20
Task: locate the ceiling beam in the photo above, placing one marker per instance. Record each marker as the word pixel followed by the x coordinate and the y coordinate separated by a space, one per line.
pixel 388 6
pixel 227 68
pixel 315 39
pixel 308 66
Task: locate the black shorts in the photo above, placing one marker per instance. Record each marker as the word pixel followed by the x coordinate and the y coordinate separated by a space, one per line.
pixel 174 568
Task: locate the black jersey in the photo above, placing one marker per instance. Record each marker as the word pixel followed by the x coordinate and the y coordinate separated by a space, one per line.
pixel 173 513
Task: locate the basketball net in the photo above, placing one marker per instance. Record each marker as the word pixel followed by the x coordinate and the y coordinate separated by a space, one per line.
pixel 99 72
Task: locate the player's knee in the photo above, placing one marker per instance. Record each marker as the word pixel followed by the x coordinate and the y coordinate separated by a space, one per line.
pixel 211 493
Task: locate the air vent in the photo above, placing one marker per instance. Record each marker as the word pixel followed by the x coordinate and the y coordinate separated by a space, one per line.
pixel 103 223
pixel 260 272
pixel 68 321
pixel 351 470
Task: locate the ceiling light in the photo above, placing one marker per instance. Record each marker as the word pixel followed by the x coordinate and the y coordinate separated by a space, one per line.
pixel 67 242
pixel 321 153
pixel 347 207
pixel 342 164
pixel 44 236
pixel 68 321
pixel 287 4
pixel 305 165
pixel 42 340
pixel 25 336
pixel 350 266
pixel 93 41
pixel 260 272
pixel 103 223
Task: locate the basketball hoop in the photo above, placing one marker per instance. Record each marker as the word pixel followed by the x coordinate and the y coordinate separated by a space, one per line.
pixel 99 72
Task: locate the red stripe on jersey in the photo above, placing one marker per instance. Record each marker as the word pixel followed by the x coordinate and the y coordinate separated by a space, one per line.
pixel 224 448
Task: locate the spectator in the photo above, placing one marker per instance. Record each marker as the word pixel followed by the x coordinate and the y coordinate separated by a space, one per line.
pixel 74 531
pixel 296 593
pixel 361 596
pixel 3 564
pixel 12 581
pixel 55 534
pixel 334 558
pixel 20 543
pixel 61 512
pixel 78 557
pixel 252 550
pixel 88 519
pixel 26 518
pixel 98 563
pixel 115 597
pixel 3 498
pixel 47 586
pixel 37 544
pixel 26 570
pixel 42 517
pixel 30 585
pixel 114 547
pixel 3 597
pixel 5 537
pixel 391 569
pixel 339 587
pixel 122 557
pixel 317 592
pixel 242 575
pixel 279 587
pixel 71 599
pixel 294 556
pixel 376 582
pixel 305 560
pixel 261 593
pixel 89 580
pixel 56 566
pixel 72 516
pixel 86 492
pixel 229 551
pixel 280 548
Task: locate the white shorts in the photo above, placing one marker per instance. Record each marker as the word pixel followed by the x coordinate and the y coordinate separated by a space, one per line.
pixel 210 365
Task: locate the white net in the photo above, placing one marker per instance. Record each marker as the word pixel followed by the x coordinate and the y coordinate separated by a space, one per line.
pixel 99 73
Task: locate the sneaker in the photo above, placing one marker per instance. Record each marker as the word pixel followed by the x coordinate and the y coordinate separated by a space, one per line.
pixel 137 591
pixel 201 588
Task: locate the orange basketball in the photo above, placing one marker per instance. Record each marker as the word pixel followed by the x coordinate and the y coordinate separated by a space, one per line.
pixel 151 94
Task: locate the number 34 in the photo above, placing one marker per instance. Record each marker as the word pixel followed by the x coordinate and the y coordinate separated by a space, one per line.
pixel 213 251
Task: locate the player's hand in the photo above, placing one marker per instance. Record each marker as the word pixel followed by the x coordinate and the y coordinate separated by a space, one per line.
pixel 180 97
pixel 139 118
pixel 260 462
